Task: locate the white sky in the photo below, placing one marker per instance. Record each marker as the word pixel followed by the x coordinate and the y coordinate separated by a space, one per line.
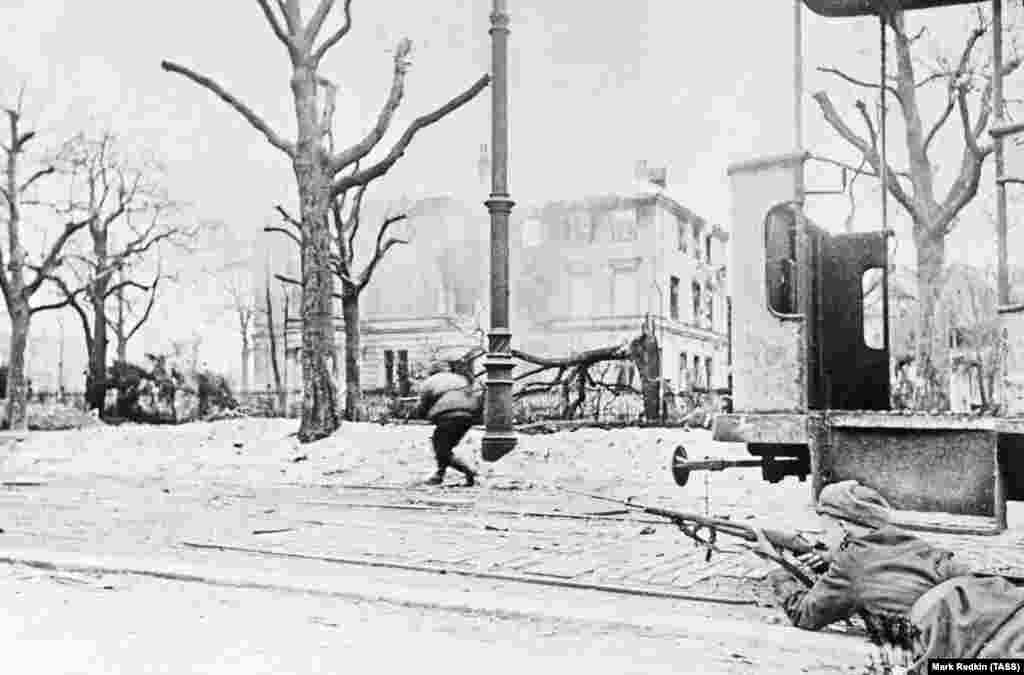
pixel 595 86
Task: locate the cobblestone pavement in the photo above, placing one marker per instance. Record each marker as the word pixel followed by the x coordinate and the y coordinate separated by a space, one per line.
pixel 543 540
pixel 153 493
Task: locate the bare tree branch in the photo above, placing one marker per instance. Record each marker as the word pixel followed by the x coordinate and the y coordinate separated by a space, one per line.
pixel 355 218
pixel 52 259
pixel 242 109
pixel 125 284
pixel 36 176
pixel 380 250
pixel 858 82
pixel 71 297
pixel 334 39
pixel 380 168
pixel 287 217
pixel 288 20
pixel 869 153
pixel 275 25
pixel 149 308
pixel 855 169
pixel 363 147
pixel 940 122
pixel 863 109
pixel 288 233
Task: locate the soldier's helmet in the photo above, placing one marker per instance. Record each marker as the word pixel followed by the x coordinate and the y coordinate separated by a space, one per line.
pixel 849 500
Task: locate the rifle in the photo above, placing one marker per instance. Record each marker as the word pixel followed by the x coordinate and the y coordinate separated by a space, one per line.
pixel 691 524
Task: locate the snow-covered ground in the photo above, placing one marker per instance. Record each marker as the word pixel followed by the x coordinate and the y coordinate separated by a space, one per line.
pixel 260 452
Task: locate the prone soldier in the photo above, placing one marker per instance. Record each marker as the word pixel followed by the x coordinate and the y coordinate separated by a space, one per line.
pixel 873 568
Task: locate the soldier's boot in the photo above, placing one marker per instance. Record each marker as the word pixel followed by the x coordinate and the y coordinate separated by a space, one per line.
pixel 436 479
pixel 469 473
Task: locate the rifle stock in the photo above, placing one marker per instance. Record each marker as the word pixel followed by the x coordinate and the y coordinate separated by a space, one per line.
pixel 788 541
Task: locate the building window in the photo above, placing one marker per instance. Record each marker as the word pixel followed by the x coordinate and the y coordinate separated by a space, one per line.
pixel 695 290
pixel 707 371
pixel 681 234
pixel 711 309
pixel 780 259
pixel 404 384
pixel 707 250
pixel 696 372
pixel 684 373
pixel 622 225
pixel 624 293
pixel 581 296
pixel 389 371
pixel 673 297
pixel 696 242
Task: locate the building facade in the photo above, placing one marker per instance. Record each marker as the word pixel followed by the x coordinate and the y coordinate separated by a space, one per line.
pixel 591 270
pixel 585 273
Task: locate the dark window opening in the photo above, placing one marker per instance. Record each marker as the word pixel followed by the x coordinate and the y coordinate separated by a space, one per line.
pixel 780 260
pixel 673 297
pixel 389 371
pixel 695 290
pixel 404 383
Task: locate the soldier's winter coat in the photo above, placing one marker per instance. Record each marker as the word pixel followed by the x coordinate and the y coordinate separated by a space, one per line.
pixel 890 571
pixel 449 396
pixel 970 617
pixel 883 572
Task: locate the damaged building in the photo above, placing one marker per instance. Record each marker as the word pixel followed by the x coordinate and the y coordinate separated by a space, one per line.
pixel 585 273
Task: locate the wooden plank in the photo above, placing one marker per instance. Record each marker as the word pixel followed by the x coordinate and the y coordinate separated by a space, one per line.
pixel 770 428
pixel 866 419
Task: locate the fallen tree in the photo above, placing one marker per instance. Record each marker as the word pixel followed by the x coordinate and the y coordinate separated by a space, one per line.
pixel 575 376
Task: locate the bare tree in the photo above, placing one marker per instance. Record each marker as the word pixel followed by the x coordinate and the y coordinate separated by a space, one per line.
pixel 241 302
pixel 321 176
pixel 933 215
pixel 346 219
pixel 129 318
pixel 17 286
pixel 128 216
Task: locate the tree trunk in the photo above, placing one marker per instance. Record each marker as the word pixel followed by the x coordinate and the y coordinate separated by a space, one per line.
pixel 350 314
pixel 119 331
pixel 320 414
pixel 245 363
pixel 286 381
pixel 96 382
pixel 932 349
pixel 17 390
pixel 647 357
pixel 274 364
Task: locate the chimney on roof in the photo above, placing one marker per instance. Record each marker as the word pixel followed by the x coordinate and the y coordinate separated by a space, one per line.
pixel 647 174
pixel 640 172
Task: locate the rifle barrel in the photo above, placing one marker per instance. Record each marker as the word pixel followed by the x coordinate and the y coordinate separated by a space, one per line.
pixel 791 541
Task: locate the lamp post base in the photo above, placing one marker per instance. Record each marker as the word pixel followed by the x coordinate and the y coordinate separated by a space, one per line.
pixel 499 438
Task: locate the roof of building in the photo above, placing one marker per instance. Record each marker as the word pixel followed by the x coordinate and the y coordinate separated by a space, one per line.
pixel 669 196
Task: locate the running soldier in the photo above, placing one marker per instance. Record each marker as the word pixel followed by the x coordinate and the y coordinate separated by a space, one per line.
pixel 449 399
